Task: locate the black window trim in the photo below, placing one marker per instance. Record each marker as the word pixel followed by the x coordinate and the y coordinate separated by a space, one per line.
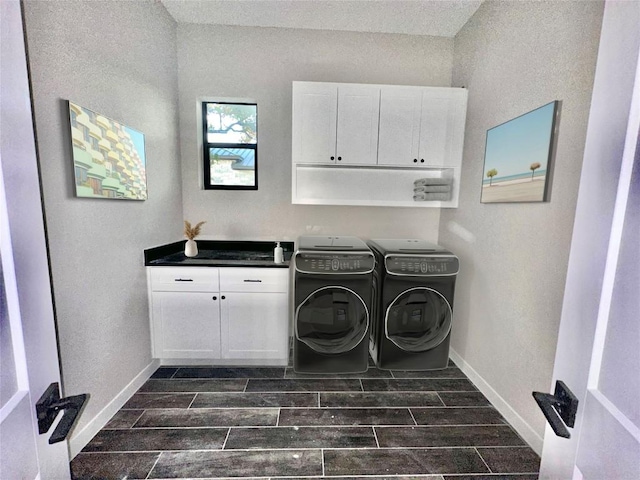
pixel 206 146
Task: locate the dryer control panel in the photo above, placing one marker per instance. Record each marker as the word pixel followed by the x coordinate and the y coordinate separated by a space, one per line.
pixel 334 263
pixel 422 265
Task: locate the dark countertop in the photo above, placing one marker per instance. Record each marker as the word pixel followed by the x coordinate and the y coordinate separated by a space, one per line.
pixel 219 253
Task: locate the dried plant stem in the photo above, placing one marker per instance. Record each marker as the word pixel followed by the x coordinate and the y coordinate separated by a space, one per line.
pixel 192 232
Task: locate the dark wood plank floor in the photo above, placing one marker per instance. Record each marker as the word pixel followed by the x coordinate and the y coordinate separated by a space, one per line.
pixel 206 422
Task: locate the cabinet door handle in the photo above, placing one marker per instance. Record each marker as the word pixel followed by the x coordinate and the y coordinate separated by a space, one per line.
pixel 422 160
pixel 333 158
pixel 223 297
pixel 252 281
pixel 339 158
pixel 215 298
pixel 415 160
pixel 183 279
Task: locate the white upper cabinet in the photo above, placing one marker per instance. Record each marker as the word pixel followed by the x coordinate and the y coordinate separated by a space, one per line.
pixel 335 123
pixel 388 136
pixel 357 131
pixel 421 126
pixel 399 132
pixel 315 113
pixel 442 120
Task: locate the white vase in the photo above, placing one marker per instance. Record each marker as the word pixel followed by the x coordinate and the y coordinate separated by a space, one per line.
pixel 191 248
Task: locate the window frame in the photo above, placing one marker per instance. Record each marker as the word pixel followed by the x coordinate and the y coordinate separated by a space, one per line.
pixel 206 146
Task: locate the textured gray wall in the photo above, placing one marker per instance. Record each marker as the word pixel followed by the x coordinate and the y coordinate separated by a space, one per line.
pixel 119 59
pixel 513 57
pixel 261 63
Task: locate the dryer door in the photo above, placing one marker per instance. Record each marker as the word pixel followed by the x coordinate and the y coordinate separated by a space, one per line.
pixel 418 319
pixel 332 320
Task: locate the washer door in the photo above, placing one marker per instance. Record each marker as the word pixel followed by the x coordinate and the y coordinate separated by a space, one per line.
pixel 332 320
pixel 418 319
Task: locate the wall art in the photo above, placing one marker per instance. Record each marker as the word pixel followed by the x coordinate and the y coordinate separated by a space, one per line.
pixel 518 157
pixel 108 157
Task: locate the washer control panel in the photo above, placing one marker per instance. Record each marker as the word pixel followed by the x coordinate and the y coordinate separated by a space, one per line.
pixel 422 265
pixel 332 263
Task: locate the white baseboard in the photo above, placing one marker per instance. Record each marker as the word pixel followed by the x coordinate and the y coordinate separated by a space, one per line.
pixel 80 439
pixel 517 422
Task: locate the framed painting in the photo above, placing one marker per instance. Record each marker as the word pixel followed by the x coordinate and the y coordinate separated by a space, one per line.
pixel 108 157
pixel 518 157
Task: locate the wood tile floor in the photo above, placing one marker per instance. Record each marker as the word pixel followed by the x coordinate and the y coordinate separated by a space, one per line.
pixel 197 422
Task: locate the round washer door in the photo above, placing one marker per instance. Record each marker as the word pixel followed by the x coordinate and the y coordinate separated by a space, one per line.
pixel 332 320
pixel 418 319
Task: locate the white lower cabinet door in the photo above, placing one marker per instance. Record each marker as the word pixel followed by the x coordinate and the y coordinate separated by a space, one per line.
pixel 254 325
pixel 186 325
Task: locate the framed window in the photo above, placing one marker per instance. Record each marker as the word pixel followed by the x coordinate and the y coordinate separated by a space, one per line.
pixel 230 141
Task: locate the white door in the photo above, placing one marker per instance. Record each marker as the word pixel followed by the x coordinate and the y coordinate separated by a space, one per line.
pixel 357 130
pixel 186 324
pixel 314 122
pixel 442 126
pixel 399 131
pixel 255 325
pixel 435 126
pixel 28 346
pixel 598 353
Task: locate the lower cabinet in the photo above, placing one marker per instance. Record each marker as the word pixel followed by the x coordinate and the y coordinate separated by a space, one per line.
pixel 226 315
pixel 252 325
pixel 186 325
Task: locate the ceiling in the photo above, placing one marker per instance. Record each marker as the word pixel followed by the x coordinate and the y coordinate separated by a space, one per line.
pixel 413 17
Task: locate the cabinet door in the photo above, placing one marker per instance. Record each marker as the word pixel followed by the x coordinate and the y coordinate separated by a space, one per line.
pixel 442 126
pixel 399 132
pixel 357 134
pixel 314 122
pixel 255 326
pixel 186 325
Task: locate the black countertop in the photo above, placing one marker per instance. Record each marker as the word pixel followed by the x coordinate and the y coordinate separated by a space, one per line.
pixel 219 253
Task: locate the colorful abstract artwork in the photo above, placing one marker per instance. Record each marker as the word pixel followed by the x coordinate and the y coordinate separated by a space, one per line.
pixel 108 157
pixel 518 155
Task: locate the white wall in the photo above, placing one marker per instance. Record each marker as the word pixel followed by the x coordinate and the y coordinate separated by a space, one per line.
pixel 260 64
pixel 118 59
pixel 514 57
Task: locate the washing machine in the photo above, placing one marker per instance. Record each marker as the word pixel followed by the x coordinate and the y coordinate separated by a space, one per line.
pixel 332 303
pixel 413 288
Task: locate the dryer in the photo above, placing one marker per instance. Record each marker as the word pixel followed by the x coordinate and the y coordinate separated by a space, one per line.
pixel 332 302
pixel 413 283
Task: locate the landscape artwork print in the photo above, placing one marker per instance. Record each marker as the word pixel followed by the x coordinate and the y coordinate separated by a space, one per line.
pixel 517 158
pixel 108 157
